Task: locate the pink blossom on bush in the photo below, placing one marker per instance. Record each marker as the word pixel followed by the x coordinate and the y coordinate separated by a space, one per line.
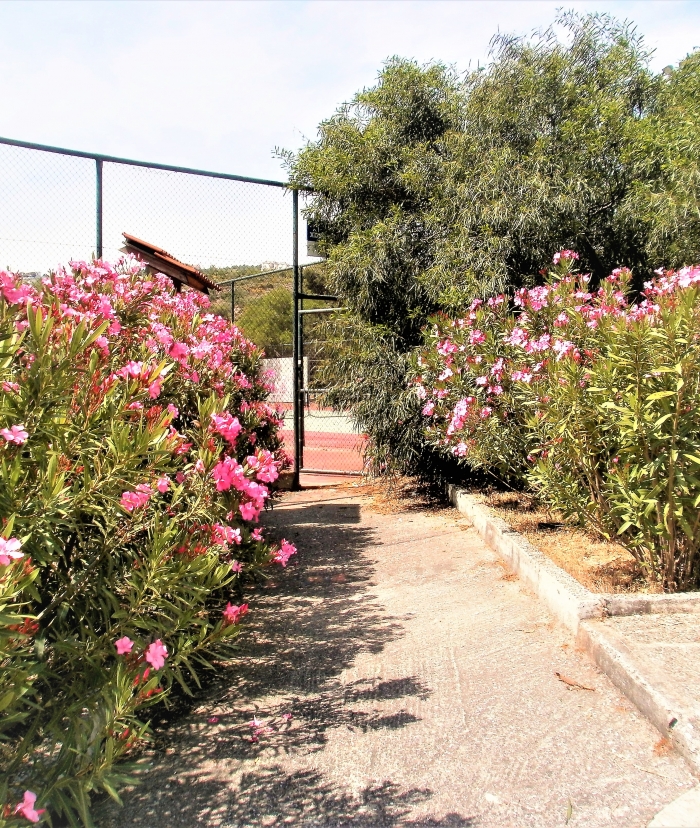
pixel 249 511
pixel 15 434
pixel 569 255
pixel 285 552
pixel 26 808
pixel 9 550
pixel 232 614
pixel 156 653
pixel 124 645
pixel 224 535
pixel 136 499
pixel 227 426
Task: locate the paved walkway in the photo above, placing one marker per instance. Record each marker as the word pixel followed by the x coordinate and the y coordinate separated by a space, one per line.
pixel 420 678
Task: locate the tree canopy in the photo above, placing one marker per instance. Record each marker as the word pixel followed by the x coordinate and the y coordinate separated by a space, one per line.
pixel 433 188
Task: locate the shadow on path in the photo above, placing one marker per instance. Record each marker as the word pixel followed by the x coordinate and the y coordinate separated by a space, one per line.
pixel 307 624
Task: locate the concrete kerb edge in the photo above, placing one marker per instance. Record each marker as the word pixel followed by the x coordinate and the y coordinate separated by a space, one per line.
pixel 611 658
pixel 569 601
pixel 578 609
pixel 566 598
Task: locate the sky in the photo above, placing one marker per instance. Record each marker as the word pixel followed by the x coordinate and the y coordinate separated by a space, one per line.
pixel 219 85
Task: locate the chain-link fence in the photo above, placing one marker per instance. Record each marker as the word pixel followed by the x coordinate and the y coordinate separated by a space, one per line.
pixel 59 205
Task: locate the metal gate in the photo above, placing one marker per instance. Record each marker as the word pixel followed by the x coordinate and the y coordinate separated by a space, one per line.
pixel 327 441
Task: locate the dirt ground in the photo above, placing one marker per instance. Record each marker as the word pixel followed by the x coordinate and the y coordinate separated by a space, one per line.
pixel 395 675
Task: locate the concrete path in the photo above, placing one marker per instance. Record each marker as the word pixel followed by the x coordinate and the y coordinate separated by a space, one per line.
pixel 421 682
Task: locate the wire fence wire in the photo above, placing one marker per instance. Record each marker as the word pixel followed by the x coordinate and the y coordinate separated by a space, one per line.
pixel 61 205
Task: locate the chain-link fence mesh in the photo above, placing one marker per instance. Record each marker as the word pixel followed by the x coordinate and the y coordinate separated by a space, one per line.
pixel 47 209
pixel 236 231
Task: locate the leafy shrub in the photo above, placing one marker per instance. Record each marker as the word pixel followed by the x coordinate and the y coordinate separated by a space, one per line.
pixel 135 449
pixel 589 399
pixel 431 189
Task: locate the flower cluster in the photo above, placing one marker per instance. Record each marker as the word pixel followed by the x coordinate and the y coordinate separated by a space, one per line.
pixel 136 453
pixel 548 385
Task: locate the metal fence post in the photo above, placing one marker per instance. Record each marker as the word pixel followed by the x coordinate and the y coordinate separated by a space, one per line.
pixel 297 376
pixel 98 213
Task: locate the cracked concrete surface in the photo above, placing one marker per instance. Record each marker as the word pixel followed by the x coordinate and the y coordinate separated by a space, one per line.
pixel 420 677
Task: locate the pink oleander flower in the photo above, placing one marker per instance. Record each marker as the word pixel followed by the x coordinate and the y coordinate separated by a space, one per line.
pixel 284 553
pixel 179 351
pixel 136 499
pixel 237 567
pixel 15 434
pixel 124 645
pixel 257 534
pixel 570 255
pixel 154 388
pixel 485 412
pixel 9 550
pixel 460 449
pixel 199 467
pixel 264 465
pixel 132 370
pixel 173 409
pixel 227 426
pixel 156 653
pixel 26 808
pixel 564 348
pixel 163 484
pixel 249 511
pixel 477 337
pixel 428 409
pixel 233 613
pixel 447 347
pixel 8 387
pixel 224 535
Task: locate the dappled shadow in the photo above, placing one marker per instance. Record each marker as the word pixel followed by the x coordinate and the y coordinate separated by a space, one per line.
pixel 282 695
pixel 302 798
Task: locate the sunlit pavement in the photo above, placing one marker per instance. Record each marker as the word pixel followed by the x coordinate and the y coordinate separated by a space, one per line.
pixel 421 683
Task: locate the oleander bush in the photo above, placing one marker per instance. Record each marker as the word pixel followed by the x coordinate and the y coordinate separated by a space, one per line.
pixel 588 397
pixel 136 453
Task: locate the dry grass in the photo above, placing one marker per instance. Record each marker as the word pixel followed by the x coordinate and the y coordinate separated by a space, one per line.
pixel 597 564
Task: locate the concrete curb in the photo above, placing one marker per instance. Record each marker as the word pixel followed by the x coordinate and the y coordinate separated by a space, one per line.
pixel 566 598
pixel 583 612
pixel 610 654
pixel 683 812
